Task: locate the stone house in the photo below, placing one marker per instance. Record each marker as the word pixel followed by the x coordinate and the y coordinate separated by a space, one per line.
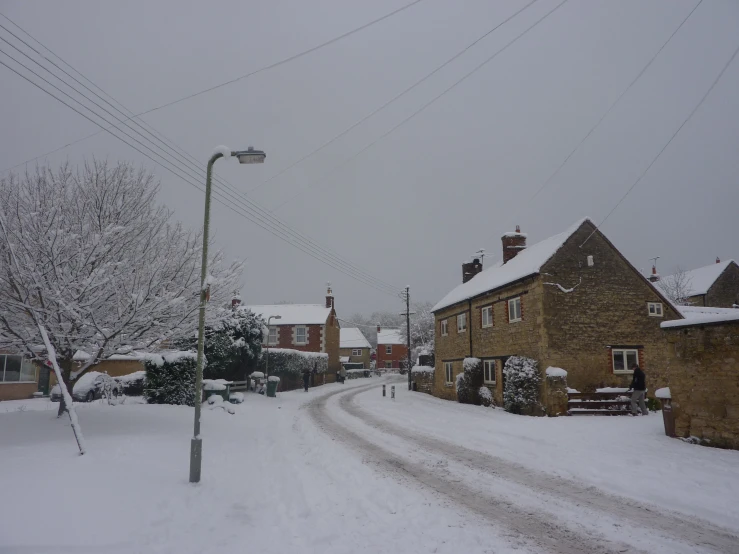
pixel 354 347
pixel 304 327
pixel 392 351
pixel 702 373
pixel 571 301
pixel 715 285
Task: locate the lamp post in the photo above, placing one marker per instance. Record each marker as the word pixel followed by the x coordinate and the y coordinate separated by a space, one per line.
pixel 266 360
pixel 249 156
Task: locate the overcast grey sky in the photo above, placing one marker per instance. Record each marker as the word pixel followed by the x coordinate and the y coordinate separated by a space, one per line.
pixel 413 207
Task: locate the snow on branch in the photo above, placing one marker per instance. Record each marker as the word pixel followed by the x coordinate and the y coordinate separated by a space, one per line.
pixel 563 289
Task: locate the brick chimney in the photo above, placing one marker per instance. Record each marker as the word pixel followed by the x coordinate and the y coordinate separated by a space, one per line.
pixel 379 328
pixel 654 277
pixel 329 297
pixel 513 243
pixel 470 269
pixel 718 260
pixel 236 300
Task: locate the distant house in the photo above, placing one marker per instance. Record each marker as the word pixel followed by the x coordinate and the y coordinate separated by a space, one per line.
pixel 19 377
pixel 571 301
pixel 715 285
pixel 354 348
pixel 392 351
pixel 304 327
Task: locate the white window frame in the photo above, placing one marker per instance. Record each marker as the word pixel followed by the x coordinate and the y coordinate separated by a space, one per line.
pixel 449 373
pixel 487 310
pixel 388 364
pixel 356 351
pixel 269 336
pixel 388 349
pixel 624 352
pixel 489 366
pixel 511 310
pixel 305 334
pixel 24 361
pixel 444 327
pixel 658 309
pixel 462 322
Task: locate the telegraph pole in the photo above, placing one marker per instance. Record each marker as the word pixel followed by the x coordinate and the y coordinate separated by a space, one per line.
pixel 408 332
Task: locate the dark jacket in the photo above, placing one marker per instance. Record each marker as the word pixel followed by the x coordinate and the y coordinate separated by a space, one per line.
pixel 639 381
pixel 306 376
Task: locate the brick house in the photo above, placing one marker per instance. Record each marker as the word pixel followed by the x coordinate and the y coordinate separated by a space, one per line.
pixel 304 327
pixel 18 377
pixel 354 346
pixel 571 301
pixel 392 351
pixel 715 285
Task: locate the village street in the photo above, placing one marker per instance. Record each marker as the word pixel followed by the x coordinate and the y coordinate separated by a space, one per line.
pixel 343 469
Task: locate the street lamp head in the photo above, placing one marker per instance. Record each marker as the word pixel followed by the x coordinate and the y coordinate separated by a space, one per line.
pixel 277 316
pixel 250 156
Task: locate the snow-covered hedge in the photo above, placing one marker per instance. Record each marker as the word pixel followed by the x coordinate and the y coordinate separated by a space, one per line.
pixel 133 383
pixel 291 363
pixel 522 386
pixel 486 397
pixel 170 378
pixel 470 381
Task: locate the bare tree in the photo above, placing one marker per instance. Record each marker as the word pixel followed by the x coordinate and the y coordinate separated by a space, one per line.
pixel 677 287
pixel 91 263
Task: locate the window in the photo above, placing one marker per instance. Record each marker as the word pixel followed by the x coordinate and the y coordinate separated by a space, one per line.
pixel 461 323
pixel 272 339
pixel 487 316
pixel 16 369
pixel 301 335
pixel 623 359
pixel 655 309
pixel 444 328
pixel 356 351
pixel 448 372
pixel 488 368
pixel 514 309
pixel 388 364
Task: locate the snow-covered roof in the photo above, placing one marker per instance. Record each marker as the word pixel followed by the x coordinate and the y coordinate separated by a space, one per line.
pixel 528 262
pixel 292 314
pixel 352 337
pixel 390 336
pixel 344 359
pixel 702 278
pixel 697 315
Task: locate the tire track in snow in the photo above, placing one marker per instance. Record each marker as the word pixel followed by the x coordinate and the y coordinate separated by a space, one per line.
pixel 546 534
pixel 700 534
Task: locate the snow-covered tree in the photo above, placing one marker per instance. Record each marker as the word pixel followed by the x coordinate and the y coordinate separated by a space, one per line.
pixel 522 386
pixel 677 287
pixel 93 262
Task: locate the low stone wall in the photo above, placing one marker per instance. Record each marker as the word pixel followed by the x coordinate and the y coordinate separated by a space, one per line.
pixel 555 395
pixel 423 380
pixel 702 371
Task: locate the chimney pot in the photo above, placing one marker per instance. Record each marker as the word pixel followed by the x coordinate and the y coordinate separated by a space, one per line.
pixel 470 269
pixel 718 260
pixel 518 228
pixel 329 297
pixel 654 277
pixel 513 243
pixel 379 328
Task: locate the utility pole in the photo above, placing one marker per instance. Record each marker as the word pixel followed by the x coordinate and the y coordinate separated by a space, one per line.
pixel 408 332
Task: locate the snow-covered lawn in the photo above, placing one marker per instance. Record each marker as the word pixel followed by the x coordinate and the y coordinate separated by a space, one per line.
pixel 326 471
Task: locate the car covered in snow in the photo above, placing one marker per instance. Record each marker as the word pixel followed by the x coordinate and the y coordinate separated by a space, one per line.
pixel 91 386
pixel 132 384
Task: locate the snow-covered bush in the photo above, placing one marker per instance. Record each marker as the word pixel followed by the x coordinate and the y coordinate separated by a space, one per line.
pixel 291 363
pixel 133 383
pixel 170 378
pixel 486 397
pixel 522 386
pixel 470 381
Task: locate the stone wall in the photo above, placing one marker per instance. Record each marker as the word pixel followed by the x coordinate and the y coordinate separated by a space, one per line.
pixel 724 292
pixel 331 346
pixel 424 381
pixel 702 367
pixel 601 306
pixel 555 396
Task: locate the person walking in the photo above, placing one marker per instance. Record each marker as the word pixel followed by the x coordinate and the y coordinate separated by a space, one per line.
pixel 306 378
pixel 638 390
pixel 342 373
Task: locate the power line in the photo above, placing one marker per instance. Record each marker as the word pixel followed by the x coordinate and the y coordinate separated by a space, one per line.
pixel 242 77
pixel 392 100
pixel 422 108
pixel 551 177
pixel 638 180
pixel 277 232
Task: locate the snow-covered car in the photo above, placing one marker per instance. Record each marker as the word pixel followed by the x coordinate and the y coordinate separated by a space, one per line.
pixel 91 386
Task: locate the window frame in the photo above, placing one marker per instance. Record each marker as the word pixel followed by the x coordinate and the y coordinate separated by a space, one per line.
pixel 513 302
pixel 444 327
pixel 624 352
pixel 449 373
pixel 388 364
pixel 356 351
pixel 486 310
pixel 24 362
pixel 489 364
pixel 388 349
pixel 269 336
pixel 305 334
pixel 655 305
pixel 463 317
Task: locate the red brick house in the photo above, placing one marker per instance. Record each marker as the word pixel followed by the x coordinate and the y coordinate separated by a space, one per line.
pixel 304 327
pixel 392 352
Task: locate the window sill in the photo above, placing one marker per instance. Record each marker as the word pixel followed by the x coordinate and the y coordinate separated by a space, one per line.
pixel 462 331
pixel 655 315
pixel 489 383
pixel 622 372
pixel 18 382
pixel 515 320
pixel 449 385
pixel 487 326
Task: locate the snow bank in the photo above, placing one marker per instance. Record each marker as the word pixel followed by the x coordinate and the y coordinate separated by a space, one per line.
pixel 273 379
pixel 663 393
pixel 556 372
pixel 215 384
pixel 422 369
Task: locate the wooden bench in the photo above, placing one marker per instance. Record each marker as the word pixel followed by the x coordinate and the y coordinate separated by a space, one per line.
pixel 599 403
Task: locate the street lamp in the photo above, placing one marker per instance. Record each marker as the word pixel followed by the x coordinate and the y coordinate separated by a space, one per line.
pixel 266 361
pixel 249 156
